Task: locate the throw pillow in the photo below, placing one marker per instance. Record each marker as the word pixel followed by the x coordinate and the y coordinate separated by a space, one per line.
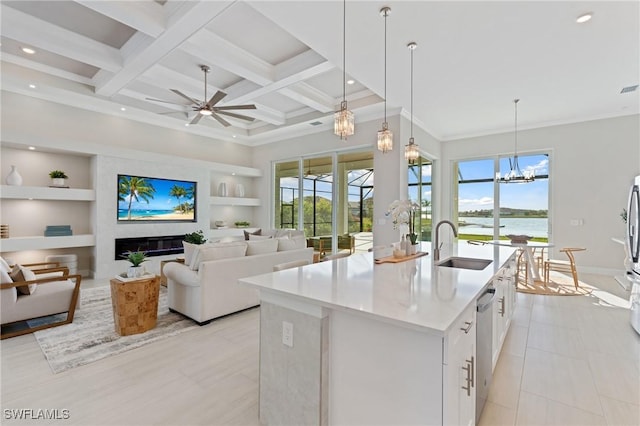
pixel 4 266
pixel 262 246
pixel 247 235
pixel 258 237
pixel 20 273
pixel 295 243
pixel 218 251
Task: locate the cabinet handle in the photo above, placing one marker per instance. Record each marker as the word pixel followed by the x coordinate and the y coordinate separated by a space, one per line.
pixel 501 311
pixel 473 371
pixel 467 368
pixel 467 329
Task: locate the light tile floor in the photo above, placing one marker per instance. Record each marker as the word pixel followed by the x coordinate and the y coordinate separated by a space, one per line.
pixel 565 361
pixel 569 360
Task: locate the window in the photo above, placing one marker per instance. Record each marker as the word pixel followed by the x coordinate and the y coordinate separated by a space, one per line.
pixel 419 181
pixel 337 196
pixel 487 210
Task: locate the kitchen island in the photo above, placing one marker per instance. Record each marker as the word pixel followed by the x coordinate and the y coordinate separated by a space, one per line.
pixel 354 342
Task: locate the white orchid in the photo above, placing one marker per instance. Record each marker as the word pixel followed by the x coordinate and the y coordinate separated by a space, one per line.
pixel 403 212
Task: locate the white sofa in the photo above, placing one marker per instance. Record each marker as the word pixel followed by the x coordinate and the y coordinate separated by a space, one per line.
pixel 206 286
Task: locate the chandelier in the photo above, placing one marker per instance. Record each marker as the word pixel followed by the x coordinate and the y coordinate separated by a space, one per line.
pixel 515 175
pixel 411 152
pixel 343 125
pixel 385 136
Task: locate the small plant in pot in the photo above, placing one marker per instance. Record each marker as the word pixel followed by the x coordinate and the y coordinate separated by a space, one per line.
pixel 58 177
pixel 195 237
pixel 135 258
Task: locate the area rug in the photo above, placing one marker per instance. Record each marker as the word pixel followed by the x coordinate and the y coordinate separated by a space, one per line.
pixel 92 335
pixel 558 285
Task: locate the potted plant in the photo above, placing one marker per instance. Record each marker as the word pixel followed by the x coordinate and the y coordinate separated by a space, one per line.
pixel 195 237
pixel 135 258
pixel 58 177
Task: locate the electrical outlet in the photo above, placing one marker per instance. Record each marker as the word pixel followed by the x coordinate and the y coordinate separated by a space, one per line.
pixel 287 334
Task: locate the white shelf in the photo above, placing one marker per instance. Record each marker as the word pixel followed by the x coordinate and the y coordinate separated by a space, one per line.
pixel 234 201
pixel 40 243
pixel 46 193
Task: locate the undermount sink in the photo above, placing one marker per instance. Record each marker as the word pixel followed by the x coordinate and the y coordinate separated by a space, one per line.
pixel 465 263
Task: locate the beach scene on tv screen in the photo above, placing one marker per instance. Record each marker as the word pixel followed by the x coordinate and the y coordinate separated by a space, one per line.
pixel 144 198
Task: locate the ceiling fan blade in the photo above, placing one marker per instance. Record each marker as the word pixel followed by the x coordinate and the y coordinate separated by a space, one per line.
pixel 216 98
pixel 175 112
pixel 227 107
pixel 220 120
pixel 166 102
pixel 179 93
pixel 196 118
pixel 234 115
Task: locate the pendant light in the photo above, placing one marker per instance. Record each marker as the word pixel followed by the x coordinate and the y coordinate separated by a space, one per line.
pixel 515 175
pixel 411 152
pixel 343 125
pixel 385 136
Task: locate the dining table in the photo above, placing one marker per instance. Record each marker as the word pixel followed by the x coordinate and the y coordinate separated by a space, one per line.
pixel 528 248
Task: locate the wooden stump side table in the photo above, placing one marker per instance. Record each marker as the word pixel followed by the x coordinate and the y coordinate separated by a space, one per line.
pixel 135 304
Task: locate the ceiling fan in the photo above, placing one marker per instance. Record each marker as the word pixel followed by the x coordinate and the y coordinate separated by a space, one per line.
pixel 210 109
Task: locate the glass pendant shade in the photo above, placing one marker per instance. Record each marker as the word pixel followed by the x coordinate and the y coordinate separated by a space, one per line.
pixel 343 125
pixel 385 138
pixel 411 152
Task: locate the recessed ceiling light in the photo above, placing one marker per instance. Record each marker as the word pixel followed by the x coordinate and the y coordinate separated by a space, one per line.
pixel 584 17
pixel 233 174
pixel 186 124
pixel 28 50
pixel 32 148
pixel 233 136
pixel 32 86
pixel 351 81
pixel 123 109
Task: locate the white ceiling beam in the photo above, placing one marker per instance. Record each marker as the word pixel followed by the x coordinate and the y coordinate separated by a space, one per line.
pixel 309 96
pixel 43 35
pixel 144 16
pixel 189 18
pixel 47 69
pixel 226 55
pixel 293 71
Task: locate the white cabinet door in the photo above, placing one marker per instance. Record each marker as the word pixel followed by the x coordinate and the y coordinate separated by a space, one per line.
pixel 460 394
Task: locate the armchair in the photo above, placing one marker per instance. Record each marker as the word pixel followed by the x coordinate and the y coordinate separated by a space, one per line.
pixel 57 293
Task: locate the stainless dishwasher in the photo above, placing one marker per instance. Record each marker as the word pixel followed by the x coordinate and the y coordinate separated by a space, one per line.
pixel 484 342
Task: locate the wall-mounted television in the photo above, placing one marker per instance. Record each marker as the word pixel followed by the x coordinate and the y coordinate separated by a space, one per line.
pixel 147 199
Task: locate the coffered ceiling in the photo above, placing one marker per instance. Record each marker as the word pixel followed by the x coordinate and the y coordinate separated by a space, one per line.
pixel 473 59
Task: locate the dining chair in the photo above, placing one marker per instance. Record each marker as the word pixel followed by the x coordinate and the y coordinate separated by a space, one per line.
pixel 568 265
pixel 522 268
pixel 335 256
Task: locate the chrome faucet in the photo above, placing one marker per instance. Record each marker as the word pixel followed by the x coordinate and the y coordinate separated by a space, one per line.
pixel 436 250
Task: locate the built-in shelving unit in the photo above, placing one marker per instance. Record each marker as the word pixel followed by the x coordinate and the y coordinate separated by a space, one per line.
pixel 43 243
pixel 234 201
pixel 46 193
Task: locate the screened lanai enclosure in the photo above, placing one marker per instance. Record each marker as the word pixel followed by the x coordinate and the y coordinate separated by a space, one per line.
pixel 337 199
pixel 337 196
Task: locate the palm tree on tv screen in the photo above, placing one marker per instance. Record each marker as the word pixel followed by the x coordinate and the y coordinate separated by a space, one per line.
pixel 178 192
pixel 135 188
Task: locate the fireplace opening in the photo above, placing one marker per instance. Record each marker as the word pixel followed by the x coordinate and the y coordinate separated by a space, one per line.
pixel 153 246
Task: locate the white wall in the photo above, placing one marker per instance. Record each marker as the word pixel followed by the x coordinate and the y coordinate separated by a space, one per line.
pixel 390 168
pixel 591 167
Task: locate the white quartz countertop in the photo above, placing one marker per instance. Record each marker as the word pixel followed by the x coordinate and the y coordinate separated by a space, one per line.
pixel 414 293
